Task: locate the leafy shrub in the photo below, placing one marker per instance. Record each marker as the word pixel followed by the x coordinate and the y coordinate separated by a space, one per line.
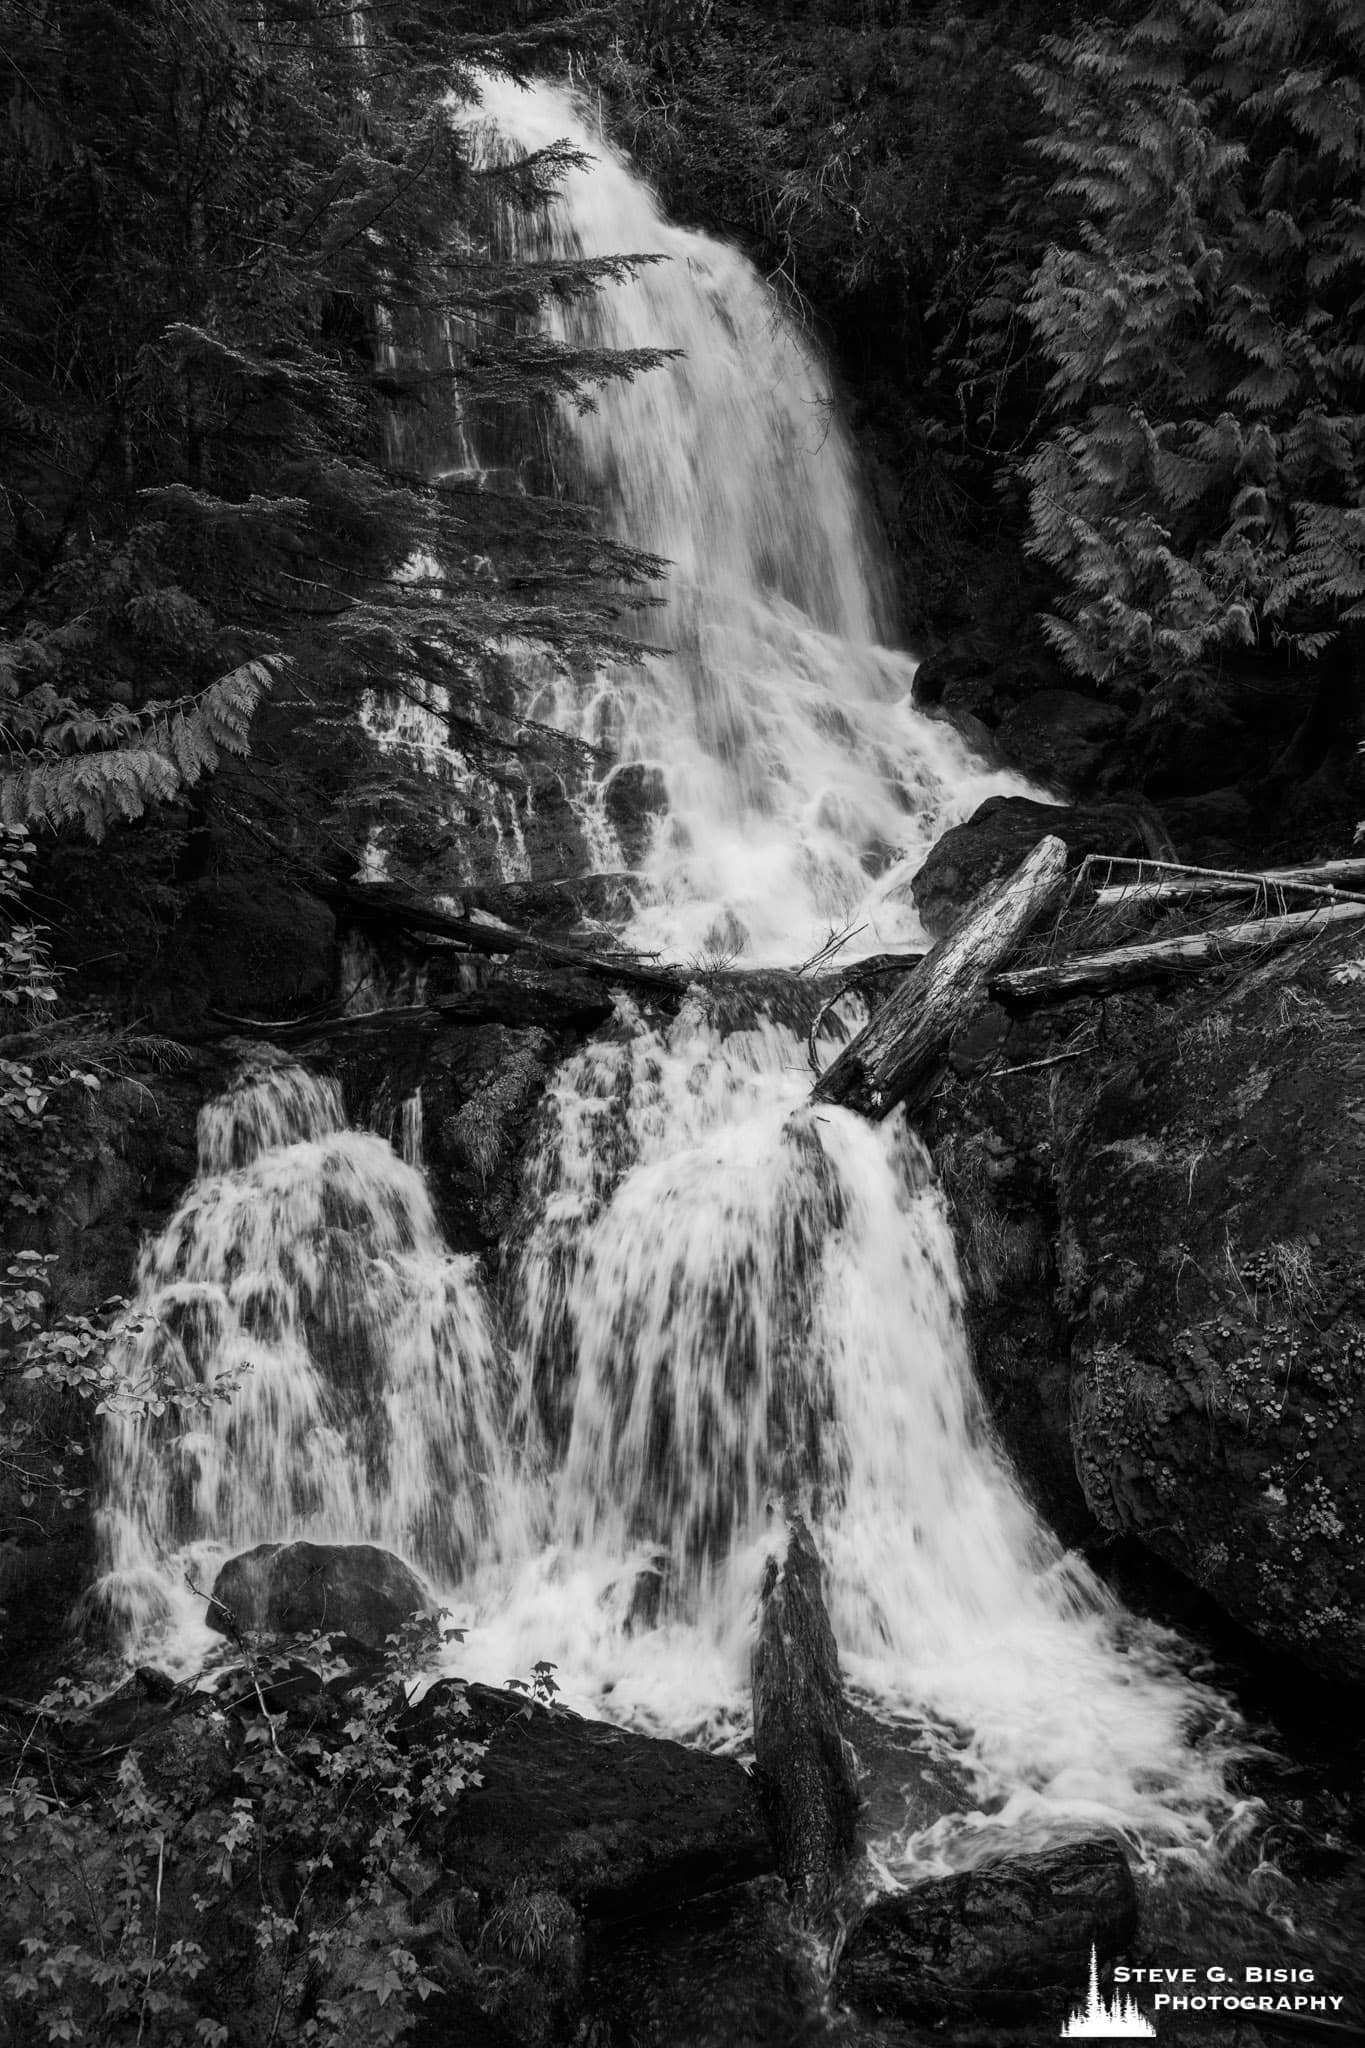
pixel 260 1884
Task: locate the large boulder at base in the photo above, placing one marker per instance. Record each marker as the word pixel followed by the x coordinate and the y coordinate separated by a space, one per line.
pixel 727 1971
pixel 1001 1941
pixel 1165 1282
pixel 1004 831
pixel 293 1588
pixel 1062 739
pixel 617 1823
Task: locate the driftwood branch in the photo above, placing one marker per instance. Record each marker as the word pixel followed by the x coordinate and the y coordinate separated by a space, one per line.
pixel 1102 974
pixel 898 1055
pixel 1157 882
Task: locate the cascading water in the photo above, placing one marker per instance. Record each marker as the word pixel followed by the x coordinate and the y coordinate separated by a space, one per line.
pixel 721 1297
pixel 362 1396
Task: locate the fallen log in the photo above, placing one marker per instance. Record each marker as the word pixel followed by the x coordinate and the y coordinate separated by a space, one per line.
pixel 1102 974
pixel 379 902
pixel 1158 882
pixel 898 1055
pixel 805 1766
pixel 571 1001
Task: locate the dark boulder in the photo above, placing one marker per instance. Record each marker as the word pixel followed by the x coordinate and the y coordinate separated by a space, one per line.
pixel 617 1823
pixel 1212 1267
pixel 806 1765
pixel 632 798
pixel 727 1971
pixel 1166 1286
pixel 294 1588
pixel 1002 1941
pixel 1062 739
pixel 264 946
pixel 1004 831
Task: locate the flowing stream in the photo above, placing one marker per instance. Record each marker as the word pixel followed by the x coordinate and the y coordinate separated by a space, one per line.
pixel 717 1295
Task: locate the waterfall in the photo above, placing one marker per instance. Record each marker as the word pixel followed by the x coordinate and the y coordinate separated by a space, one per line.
pixel 346 1379
pixel 718 1296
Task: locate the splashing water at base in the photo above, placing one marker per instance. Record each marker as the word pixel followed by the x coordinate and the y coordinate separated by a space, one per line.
pixel 304 1274
pixel 728 1298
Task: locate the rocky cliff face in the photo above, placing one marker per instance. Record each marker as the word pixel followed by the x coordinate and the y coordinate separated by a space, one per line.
pixel 1161 1235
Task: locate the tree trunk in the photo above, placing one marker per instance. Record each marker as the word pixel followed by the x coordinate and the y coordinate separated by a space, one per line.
pixel 1151 886
pixel 806 1766
pixel 898 1055
pixel 1101 974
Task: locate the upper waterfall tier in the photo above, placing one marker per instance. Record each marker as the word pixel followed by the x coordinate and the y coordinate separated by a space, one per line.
pixel 800 786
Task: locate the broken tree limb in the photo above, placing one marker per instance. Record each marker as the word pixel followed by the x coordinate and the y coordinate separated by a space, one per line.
pixel 1102 974
pixel 1158 882
pixel 571 1001
pixel 383 904
pixel 898 1055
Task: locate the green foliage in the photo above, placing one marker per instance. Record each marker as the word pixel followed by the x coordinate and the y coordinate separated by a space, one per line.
pixel 1202 488
pixel 258 1892
pixel 253 292
pixel 56 1372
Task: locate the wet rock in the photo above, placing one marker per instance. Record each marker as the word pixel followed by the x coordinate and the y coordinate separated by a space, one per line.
pixel 974 677
pixel 726 1971
pixel 1166 1286
pixel 1062 739
pixel 1003 832
pixel 615 1822
pixel 481 1089
pixel 633 798
pixel 1212 1265
pixel 454 2016
pixel 556 905
pixel 806 1765
pixel 293 1588
pixel 998 1942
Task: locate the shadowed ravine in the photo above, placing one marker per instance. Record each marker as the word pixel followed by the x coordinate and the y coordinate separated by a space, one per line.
pixel 718 1297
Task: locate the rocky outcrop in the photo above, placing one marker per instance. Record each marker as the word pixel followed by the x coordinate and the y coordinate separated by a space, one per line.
pixel 1212 1260
pixel 1003 832
pixel 1167 1283
pixel 727 1971
pixel 619 1824
pixel 1062 739
pixel 999 1942
pixel 294 1588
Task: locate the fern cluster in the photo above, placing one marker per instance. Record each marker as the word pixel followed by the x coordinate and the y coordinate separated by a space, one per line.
pixel 1204 485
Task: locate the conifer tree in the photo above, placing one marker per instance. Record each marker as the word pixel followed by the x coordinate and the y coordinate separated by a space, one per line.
pixel 1204 486
pixel 252 279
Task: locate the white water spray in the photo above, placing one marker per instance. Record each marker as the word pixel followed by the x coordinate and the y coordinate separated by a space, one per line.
pixel 721 1296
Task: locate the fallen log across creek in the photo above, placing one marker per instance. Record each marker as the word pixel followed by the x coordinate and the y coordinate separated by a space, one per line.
pixel 380 903
pixel 567 1000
